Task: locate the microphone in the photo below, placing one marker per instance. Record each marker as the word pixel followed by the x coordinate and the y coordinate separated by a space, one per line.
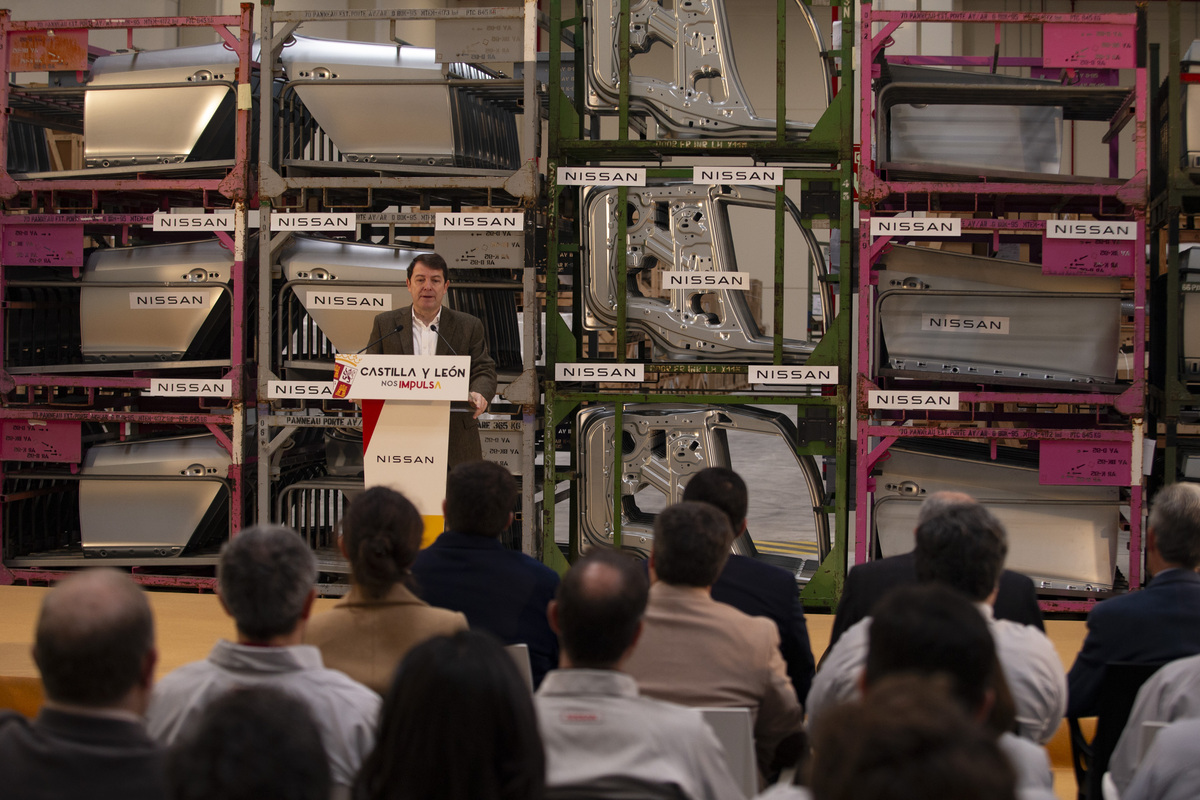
pixel 434 328
pixel 394 330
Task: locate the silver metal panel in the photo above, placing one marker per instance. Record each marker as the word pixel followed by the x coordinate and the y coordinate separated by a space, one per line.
pixel 1189 265
pixel 111 331
pixel 689 228
pixel 991 138
pixel 386 122
pixel 142 513
pixel 1063 536
pixel 661 448
pixel 700 93
pixel 327 266
pixel 153 125
pixel 1060 328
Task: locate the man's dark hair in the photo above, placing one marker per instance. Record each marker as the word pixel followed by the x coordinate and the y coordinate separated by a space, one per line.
pixel 962 547
pixel 691 544
pixel 264 577
pixel 724 489
pixel 251 743
pixel 381 534
pixel 94 634
pixel 932 630
pixel 431 260
pixel 479 497
pixel 601 600
pixel 907 741
pixel 1175 520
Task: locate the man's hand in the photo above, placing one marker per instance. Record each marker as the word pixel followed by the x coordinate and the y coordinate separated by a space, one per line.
pixel 479 402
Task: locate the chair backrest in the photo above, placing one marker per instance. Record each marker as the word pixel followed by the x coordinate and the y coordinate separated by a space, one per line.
pixel 520 657
pixel 1118 690
pixel 734 728
pixel 616 787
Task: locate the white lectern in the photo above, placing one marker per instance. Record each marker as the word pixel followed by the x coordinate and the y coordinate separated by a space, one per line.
pixel 406 423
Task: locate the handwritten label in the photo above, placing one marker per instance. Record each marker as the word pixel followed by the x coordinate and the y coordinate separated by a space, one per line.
pixel 478 40
pixel 1098 464
pixel 1083 45
pixel 41 440
pixel 53 51
pixel 43 245
pixel 479 250
pixel 1079 257
pixel 502 443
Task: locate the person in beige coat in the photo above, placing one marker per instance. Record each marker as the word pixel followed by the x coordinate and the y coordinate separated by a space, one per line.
pixel 697 652
pixel 380 619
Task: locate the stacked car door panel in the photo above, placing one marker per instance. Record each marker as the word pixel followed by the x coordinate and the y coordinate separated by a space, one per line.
pixel 1003 293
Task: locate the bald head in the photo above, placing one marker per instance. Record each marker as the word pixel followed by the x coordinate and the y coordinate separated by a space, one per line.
pixel 95 639
pixel 938 502
pixel 597 612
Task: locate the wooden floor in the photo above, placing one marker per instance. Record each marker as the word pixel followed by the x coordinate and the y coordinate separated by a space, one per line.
pixel 189 623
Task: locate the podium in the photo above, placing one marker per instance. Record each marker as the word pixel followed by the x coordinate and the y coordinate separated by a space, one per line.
pixel 406 423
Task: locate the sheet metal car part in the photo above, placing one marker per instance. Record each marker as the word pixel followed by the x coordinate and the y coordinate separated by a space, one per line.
pixel 698 33
pixel 160 106
pixel 1189 270
pixel 1190 113
pixel 661 448
pixel 1064 537
pixel 115 327
pixel 394 104
pixel 995 321
pixel 154 497
pixel 687 228
pixel 946 123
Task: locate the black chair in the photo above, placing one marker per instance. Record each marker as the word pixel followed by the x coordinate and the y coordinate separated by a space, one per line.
pixel 616 787
pixel 1118 690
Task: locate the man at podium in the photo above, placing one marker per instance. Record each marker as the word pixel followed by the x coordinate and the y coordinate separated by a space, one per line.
pixel 426 328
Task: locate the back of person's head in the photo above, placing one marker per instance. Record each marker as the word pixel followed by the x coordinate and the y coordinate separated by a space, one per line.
pixel 691 544
pixel 932 630
pixel 264 579
pixel 907 741
pixel 457 724
pixel 1175 520
pixel 938 502
pixel 95 639
pixel 598 607
pixel 724 489
pixel 963 547
pixel 251 743
pixel 479 497
pixel 381 534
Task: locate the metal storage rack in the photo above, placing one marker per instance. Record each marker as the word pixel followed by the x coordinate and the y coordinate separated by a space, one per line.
pixel 973 400
pixel 48 380
pixel 1174 397
pixel 300 167
pixel 654 135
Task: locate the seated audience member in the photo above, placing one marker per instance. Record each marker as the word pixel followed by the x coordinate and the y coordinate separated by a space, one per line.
pixel 457 724
pixel 698 652
pixel 1171 769
pixel 367 633
pixel 866 583
pixel 1170 695
pixel 909 741
pixel 963 547
pixel 251 743
pixel 265 580
pixel 467 569
pixel 1161 622
pixel 94 648
pixel 932 630
pixel 592 720
pixel 755 587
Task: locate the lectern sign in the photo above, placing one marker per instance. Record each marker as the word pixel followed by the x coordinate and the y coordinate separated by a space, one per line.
pixel 380 377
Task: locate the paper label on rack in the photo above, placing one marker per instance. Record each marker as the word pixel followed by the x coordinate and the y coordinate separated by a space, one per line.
pixel 189 387
pixel 793 376
pixel 1090 229
pixel 915 226
pixel 740 176
pixel 907 400
pixel 601 176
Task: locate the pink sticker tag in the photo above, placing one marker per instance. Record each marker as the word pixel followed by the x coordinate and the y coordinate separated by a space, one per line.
pixel 1085 464
pixel 42 245
pixel 1083 45
pixel 41 440
pixel 1106 257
